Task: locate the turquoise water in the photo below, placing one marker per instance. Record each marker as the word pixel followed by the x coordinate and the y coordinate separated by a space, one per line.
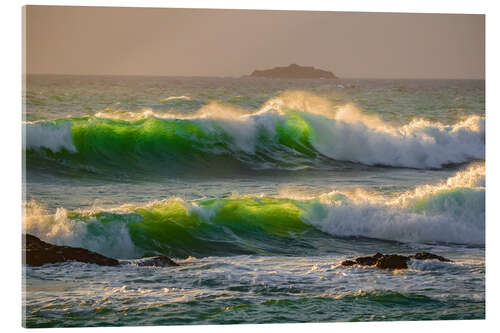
pixel 259 188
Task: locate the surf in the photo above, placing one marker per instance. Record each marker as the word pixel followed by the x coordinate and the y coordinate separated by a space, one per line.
pixel 289 132
pixel 448 212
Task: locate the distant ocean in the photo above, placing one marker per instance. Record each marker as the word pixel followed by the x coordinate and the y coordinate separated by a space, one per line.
pixel 259 188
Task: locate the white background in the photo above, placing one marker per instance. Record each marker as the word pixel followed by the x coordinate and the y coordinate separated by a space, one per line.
pixel 10 156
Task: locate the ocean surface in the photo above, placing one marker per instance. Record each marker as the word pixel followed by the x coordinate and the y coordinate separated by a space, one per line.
pixel 258 188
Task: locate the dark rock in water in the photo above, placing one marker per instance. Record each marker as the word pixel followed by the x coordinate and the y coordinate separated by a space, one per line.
pixel 294 71
pixel 363 261
pixel 428 256
pixel 348 263
pixel 38 253
pixel 392 261
pixel 161 261
pixel 369 261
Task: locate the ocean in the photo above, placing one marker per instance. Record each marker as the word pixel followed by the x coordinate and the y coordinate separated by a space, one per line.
pixel 258 188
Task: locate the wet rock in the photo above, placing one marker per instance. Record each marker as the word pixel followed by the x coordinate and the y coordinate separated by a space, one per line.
pixel 392 261
pixel 428 256
pixel 348 263
pixel 37 253
pixel 369 261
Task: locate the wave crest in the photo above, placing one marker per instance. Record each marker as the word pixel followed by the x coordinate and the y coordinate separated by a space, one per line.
pixel 291 131
pixel 449 212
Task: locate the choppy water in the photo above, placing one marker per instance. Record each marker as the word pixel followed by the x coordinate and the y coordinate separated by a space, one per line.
pixel 259 188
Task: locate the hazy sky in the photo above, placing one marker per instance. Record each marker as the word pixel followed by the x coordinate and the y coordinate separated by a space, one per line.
pixel 194 42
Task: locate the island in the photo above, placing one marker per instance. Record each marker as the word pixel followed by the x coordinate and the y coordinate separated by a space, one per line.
pixel 294 71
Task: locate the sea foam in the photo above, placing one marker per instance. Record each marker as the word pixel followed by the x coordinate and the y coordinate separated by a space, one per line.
pixel 289 131
pixel 448 212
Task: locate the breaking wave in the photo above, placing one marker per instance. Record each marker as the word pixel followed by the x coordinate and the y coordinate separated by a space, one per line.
pixel 292 131
pixel 449 212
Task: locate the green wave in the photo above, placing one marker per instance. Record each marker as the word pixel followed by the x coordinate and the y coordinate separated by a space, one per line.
pixel 268 139
pixel 211 227
pixel 169 145
pixel 262 225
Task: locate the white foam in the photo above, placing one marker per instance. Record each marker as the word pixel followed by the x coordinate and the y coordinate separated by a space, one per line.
pixel 173 98
pixel 452 211
pixel 49 135
pixel 346 133
pixel 112 240
pixel 420 144
pixel 342 133
pixel 430 265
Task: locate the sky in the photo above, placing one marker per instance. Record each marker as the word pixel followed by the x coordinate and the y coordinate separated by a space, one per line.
pixel 203 42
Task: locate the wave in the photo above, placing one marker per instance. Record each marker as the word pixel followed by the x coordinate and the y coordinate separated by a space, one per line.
pixel 294 130
pixel 383 296
pixel 176 98
pixel 450 212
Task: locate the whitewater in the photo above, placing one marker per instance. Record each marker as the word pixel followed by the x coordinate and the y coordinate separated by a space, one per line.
pixel 451 212
pixel 259 189
pixel 296 126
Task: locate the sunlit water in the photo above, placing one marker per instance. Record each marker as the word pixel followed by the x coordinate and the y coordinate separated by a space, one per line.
pixel 259 188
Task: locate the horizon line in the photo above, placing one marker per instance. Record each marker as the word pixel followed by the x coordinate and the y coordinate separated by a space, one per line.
pixel 248 76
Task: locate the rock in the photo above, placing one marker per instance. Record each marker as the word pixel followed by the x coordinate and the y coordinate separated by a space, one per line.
pixel 391 261
pixel 348 263
pixel 294 71
pixel 428 256
pixel 369 261
pixel 161 261
pixel 38 253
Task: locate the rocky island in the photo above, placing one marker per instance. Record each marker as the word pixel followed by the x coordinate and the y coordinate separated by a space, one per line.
pixel 294 71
